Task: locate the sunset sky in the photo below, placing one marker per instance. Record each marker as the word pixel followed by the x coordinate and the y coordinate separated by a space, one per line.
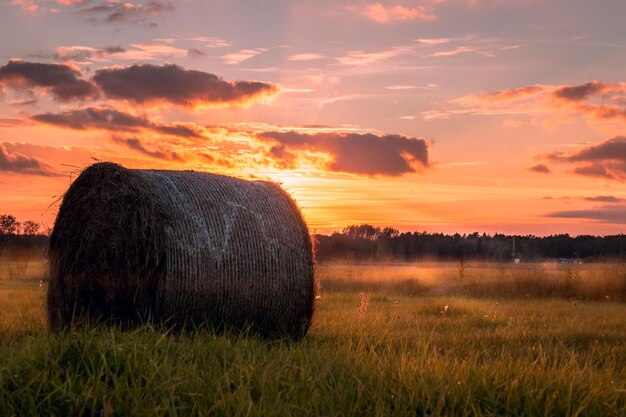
pixel 439 115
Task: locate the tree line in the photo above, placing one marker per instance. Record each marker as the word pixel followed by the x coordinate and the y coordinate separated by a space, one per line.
pixel 10 226
pixel 20 240
pixel 366 242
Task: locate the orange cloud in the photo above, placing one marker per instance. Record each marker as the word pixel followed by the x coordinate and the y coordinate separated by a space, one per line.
pixel 362 154
pixel 26 5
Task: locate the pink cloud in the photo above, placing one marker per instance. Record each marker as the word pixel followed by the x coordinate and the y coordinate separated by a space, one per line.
pixel 452 52
pixel 305 57
pixel 366 58
pixel 26 5
pixel 242 55
pixel 381 14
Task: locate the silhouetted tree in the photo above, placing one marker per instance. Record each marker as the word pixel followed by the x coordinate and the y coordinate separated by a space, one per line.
pixel 9 225
pixel 30 228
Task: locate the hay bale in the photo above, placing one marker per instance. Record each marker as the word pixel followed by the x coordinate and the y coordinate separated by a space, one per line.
pixel 180 248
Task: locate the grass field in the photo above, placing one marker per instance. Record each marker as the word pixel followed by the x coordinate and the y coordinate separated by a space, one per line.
pixel 372 350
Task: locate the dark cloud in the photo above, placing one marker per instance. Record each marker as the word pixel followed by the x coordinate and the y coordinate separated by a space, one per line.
pixel 613 149
pixel 194 52
pixel 605 214
pixel 85 54
pixel 62 81
pixel 597 199
pixel 364 154
pixel 18 163
pixel 608 170
pixel 606 159
pixel 116 12
pixel 113 120
pixel 604 199
pixel 176 85
pixel 580 92
pixel 136 145
pixel 540 168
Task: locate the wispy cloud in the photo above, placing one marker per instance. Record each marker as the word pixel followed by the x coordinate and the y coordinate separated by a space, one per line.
pixel 604 199
pixel 366 58
pixel 149 51
pixel 433 41
pixel 137 145
pixel 305 57
pixel 117 11
pixel 210 42
pixel 242 55
pixel 85 53
pixel 94 118
pixel 615 214
pixel 451 52
pixel 596 101
pixel 401 87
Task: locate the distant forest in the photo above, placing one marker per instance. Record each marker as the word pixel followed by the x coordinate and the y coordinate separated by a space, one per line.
pixel 366 242
pixel 369 243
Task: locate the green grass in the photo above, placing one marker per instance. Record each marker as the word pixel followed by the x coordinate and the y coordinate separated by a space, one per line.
pixel 381 354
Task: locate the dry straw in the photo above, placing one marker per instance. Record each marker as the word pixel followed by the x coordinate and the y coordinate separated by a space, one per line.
pixel 180 248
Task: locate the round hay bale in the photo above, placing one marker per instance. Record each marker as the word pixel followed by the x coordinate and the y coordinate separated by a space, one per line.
pixel 180 248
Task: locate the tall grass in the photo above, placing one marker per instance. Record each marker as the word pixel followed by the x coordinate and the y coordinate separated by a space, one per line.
pixel 398 356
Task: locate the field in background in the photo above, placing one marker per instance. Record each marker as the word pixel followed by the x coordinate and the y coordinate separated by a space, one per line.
pixel 23 269
pixel 605 282
pixel 387 340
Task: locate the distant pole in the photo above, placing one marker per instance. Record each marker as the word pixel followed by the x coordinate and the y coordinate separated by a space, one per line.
pixel 513 247
pixel 621 246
